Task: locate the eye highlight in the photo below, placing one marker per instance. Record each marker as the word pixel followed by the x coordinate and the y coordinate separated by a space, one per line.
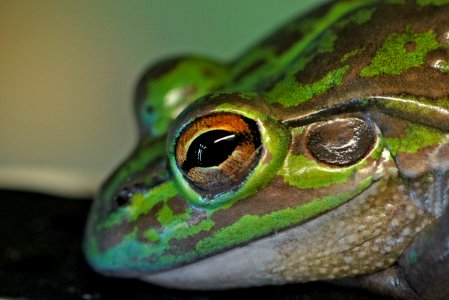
pixel 211 149
pixel 217 152
pixel 341 142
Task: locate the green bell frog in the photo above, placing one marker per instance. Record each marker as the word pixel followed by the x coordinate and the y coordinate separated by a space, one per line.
pixel 320 154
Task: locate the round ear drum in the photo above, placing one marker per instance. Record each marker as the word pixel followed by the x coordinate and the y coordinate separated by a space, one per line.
pixel 340 142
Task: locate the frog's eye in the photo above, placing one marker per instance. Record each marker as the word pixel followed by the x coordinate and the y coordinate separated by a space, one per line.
pixel 217 152
pixel 341 142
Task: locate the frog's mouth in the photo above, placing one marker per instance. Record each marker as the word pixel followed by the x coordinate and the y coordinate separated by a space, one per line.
pixel 267 261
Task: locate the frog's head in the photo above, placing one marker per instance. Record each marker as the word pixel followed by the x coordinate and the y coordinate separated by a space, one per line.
pixel 263 177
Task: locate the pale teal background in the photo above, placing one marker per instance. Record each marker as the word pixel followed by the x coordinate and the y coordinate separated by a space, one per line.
pixel 68 68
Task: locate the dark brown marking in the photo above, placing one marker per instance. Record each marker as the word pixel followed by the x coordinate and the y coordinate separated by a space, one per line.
pixel 410 46
pixel 391 127
pixel 283 40
pixel 178 205
pixel 113 236
pixel 248 70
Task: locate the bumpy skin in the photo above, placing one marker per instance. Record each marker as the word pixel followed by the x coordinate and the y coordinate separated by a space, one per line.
pixel 339 165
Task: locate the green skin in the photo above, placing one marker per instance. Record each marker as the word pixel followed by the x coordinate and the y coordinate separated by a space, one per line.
pixel 361 59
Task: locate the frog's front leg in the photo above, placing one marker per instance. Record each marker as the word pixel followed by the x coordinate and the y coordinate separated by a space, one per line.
pixel 426 268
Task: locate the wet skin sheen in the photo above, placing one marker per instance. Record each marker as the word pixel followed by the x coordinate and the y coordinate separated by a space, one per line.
pixel 320 154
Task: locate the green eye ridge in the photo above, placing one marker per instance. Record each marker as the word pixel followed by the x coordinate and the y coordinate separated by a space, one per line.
pixel 394 59
pixel 313 174
pixel 275 140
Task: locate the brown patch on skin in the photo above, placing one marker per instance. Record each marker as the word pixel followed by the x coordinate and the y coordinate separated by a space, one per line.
pixel 391 127
pixel 283 40
pixel 109 237
pixel 443 35
pixel 178 205
pixel 442 154
pixel 182 246
pixel 185 245
pixel 298 145
pixel 209 72
pixel 407 165
pixel 113 236
pixel 248 70
pixel 410 46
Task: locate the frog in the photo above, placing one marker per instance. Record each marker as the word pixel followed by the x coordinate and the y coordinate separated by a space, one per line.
pixel 320 154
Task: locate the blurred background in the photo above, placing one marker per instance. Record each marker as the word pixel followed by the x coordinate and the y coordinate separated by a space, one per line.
pixel 68 69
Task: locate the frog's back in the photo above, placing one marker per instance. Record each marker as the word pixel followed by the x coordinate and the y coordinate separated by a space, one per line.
pixel 351 50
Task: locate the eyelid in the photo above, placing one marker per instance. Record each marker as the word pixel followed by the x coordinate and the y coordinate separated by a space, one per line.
pixel 353 106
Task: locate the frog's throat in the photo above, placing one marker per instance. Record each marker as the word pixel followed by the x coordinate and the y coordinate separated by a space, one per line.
pixel 269 260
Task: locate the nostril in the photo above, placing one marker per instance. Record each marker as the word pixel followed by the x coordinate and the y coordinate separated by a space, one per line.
pixel 123 197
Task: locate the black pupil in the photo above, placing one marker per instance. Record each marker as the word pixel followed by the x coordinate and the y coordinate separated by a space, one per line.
pixel 211 149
